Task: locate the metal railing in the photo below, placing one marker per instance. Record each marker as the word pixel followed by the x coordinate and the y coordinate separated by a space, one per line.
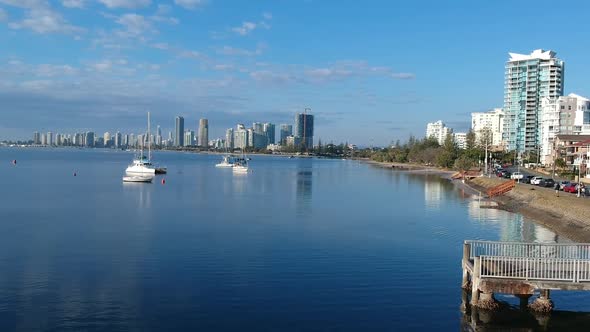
pixel 550 269
pixel 529 250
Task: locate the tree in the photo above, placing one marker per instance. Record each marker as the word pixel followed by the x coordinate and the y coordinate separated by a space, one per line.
pixel 463 164
pixel 470 140
pixel 448 153
pixel 560 163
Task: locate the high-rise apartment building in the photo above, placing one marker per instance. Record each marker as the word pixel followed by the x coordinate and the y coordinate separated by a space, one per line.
pixel 204 133
pixel 528 79
pixel 179 131
pixel 89 139
pixel 36 138
pixel 304 129
pixel 460 140
pixel 269 131
pixel 240 137
pixel 566 115
pixel 50 138
pixel 189 138
pixel 286 131
pixel 229 139
pixel 438 130
pixel 493 121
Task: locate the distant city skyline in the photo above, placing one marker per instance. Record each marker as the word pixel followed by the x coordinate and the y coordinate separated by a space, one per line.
pixel 70 65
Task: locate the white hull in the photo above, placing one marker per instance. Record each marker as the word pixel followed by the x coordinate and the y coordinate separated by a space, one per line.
pixel 141 170
pixel 240 169
pixel 224 165
pixel 138 179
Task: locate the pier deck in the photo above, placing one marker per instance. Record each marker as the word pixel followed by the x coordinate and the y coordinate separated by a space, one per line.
pixel 524 268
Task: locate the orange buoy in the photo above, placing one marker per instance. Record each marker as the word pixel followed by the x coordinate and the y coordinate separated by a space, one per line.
pixel 163 181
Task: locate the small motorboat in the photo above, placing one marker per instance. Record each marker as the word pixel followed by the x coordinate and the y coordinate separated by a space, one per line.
pixel 138 179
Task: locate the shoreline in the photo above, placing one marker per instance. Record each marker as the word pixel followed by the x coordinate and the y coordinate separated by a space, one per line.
pixel 566 215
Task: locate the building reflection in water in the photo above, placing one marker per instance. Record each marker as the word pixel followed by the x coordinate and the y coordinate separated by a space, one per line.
pixel 513 227
pixel 303 195
pixel 433 193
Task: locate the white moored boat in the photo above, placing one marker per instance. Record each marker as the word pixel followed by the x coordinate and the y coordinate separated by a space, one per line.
pixel 227 162
pixel 241 165
pixel 141 166
pixel 140 179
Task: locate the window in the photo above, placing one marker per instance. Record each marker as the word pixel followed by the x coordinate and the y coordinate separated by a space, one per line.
pixel 569 108
pixel 562 107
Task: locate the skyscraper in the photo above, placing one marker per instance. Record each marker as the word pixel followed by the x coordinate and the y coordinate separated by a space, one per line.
pixel 89 139
pixel 229 139
pixel 50 138
pixel 304 129
pixel 240 137
pixel 529 79
pixel 189 138
pixel 286 131
pixel 204 133
pixel 118 138
pixel 36 138
pixel 179 132
pixel 269 131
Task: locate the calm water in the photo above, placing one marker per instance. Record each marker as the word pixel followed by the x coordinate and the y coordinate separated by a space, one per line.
pixel 299 244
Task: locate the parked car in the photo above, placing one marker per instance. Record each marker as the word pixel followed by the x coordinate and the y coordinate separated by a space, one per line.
pixel 507 175
pixel 527 179
pixel 517 176
pixel 571 188
pixel 548 183
pixel 562 184
pixel 536 180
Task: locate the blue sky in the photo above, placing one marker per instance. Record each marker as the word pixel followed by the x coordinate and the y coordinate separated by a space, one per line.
pixel 371 72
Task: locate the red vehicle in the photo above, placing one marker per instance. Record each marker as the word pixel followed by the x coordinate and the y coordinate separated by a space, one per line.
pixel 571 188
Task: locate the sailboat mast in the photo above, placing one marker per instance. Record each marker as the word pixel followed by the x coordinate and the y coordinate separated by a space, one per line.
pixel 149 139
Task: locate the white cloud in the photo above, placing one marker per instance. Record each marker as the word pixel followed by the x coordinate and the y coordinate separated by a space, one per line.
pixel 267 15
pixel 190 4
pixel 245 28
pixel 73 3
pixel 131 4
pixel 45 21
pixel 135 25
pixel 3 15
pixel 47 70
pixel 403 76
pixel 103 66
pixel 40 18
pixel 233 51
pixel 161 46
pixel 223 67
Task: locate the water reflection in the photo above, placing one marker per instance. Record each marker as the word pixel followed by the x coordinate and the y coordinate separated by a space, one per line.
pixel 433 194
pixel 304 186
pixel 511 318
pixel 138 192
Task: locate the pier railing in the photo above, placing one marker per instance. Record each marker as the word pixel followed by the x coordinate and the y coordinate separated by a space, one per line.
pixel 529 250
pixel 534 268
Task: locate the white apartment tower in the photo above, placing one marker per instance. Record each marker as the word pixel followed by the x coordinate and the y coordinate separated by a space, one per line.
pixel 493 121
pixel 438 130
pixel 566 115
pixel 528 79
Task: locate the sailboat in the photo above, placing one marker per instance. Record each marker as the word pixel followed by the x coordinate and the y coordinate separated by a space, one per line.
pixel 241 164
pixel 141 165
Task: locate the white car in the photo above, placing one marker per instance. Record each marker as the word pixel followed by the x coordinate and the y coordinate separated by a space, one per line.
pixel 517 176
pixel 536 180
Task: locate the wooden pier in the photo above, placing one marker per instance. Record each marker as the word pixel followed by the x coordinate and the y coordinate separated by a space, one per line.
pixel 522 269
